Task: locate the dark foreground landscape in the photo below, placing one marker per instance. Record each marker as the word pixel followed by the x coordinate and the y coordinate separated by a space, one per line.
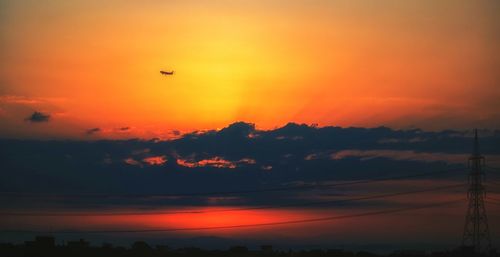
pixel 45 246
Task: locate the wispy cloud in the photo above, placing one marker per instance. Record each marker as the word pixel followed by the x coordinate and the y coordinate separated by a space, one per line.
pixel 155 160
pixel 216 162
pixel 12 99
pixel 132 161
pixel 400 155
pixel 92 131
pixel 29 100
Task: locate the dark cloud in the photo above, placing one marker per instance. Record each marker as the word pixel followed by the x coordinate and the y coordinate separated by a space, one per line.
pixel 38 117
pixel 238 157
pixel 124 128
pixel 93 131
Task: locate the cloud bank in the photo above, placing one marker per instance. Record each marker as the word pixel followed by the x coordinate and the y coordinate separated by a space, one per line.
pixel 37 117
pixel 238 157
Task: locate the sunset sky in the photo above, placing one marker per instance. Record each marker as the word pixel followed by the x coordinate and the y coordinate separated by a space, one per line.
pixel 95 64
pixel 267 96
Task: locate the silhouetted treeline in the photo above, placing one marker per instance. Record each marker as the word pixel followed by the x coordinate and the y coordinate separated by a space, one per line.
pixel 45 246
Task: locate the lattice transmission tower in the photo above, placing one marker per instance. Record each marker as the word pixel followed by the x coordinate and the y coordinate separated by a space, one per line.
pixel 476 232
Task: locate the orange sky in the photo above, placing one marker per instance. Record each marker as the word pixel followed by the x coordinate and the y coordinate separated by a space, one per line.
pixel 430 64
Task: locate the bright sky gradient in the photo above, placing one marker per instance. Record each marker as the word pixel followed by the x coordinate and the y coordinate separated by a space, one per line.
pixel 95 64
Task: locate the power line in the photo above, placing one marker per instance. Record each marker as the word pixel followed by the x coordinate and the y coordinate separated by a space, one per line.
pixel 493 182
pixel 379 196
pixel 491 202
pixel 277 189
pixel 493 199
pixel 492 168
pixel 329 218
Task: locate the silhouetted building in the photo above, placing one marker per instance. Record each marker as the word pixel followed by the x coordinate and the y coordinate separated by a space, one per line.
pixel 266 248
pixel 44 242
pixel 238 249
pixel 78 244
pixel 416 253
pixel 141 246
pixel 162 248
pixel 338 252
pixel 106 246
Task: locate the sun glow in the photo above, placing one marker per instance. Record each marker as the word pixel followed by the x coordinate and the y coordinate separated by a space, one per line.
pixel 330 63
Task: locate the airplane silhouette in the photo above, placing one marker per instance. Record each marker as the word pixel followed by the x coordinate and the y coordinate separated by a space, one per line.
pixel 167 73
